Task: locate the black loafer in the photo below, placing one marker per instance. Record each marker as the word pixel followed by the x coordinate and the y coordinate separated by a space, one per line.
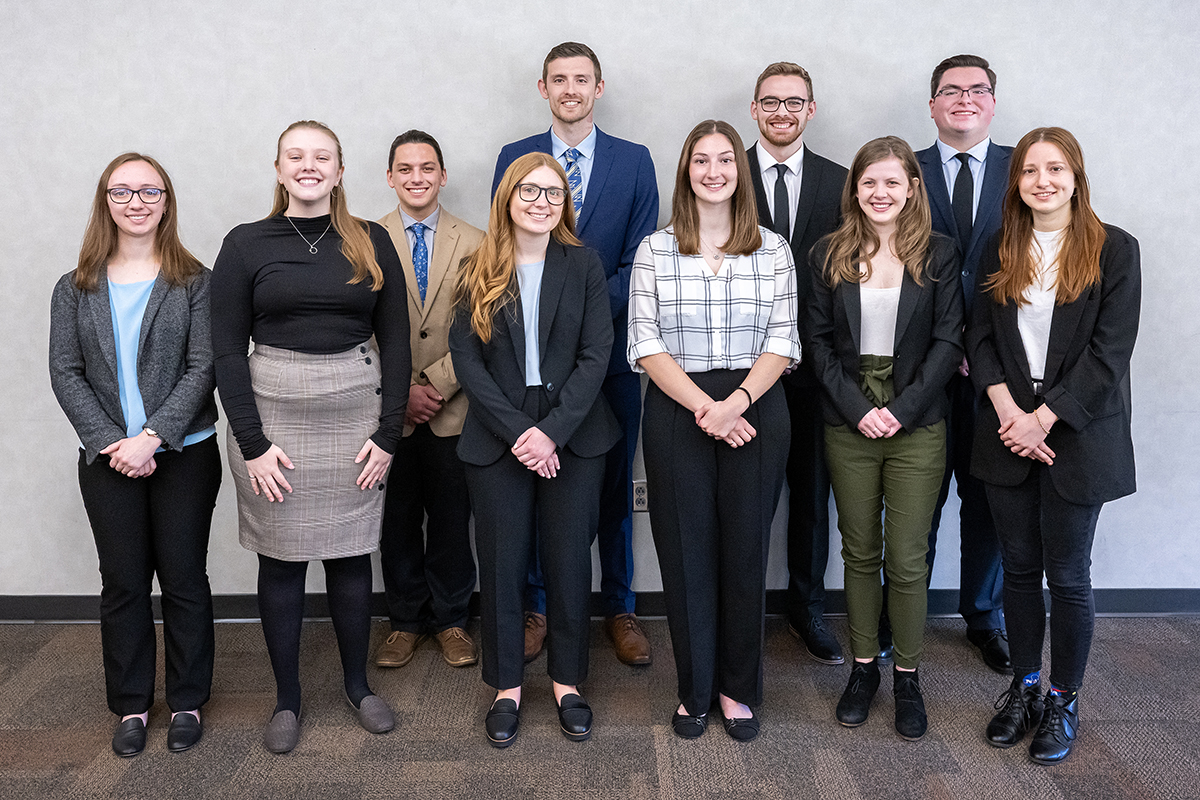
pixel 688 726
pixel 575 717
pixel 130 737
pixel 993 647
pixel 741 728
pixel 183 733
pixel 503 720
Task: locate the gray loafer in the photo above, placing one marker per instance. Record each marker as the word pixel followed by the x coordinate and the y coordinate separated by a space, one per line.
pixel 282 733
pixel 374 714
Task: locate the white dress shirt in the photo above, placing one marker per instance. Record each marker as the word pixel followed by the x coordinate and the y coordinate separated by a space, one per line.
pixel 792 179
pixel 1037 312
pixel 951 165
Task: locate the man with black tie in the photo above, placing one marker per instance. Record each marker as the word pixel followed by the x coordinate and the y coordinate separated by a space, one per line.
pixel 799 196
pixel 615 196
pixel 966 175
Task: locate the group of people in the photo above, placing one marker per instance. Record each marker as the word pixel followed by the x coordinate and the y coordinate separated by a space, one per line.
pixel 960 310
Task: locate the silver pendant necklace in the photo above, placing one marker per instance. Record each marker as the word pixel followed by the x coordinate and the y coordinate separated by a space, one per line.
pixel 312 246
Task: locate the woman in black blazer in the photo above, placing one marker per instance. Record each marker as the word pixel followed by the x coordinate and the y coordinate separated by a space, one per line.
pixel 885 321
pixel 131 365
pixel 531 340
pixel 1049 343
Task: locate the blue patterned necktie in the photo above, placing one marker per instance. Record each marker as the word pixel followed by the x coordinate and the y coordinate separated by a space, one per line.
pixel 575 178
pixel 420 257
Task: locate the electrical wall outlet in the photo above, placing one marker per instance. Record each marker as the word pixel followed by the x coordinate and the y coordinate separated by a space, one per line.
pixel 641 497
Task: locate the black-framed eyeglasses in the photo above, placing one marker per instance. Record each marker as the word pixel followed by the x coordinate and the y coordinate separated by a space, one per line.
pixel 793 104
pixel 530 192
pixel 955 92
pixel 149 194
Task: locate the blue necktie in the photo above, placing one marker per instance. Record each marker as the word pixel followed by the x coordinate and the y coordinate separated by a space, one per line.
pixel 420 257
pixel 575 178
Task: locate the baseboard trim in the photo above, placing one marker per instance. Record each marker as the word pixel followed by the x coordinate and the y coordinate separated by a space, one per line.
pixel 231 607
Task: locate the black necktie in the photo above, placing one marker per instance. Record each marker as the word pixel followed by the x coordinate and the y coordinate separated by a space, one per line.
pixel 964 197
pixel 781 202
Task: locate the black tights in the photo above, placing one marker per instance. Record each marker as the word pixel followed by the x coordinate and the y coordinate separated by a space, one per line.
pixel 281 604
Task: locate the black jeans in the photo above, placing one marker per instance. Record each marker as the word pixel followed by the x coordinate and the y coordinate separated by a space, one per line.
pixel 143 526
pixel 1043 534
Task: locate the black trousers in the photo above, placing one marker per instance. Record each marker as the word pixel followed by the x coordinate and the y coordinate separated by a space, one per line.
pixel 142 527
pixel 428 570
pixel 516 510
pixel 808 505
pixel 711 507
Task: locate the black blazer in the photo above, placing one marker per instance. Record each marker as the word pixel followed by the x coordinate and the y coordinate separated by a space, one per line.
pixel 927 350
pixel 575 334
pixel 818 212
pixel 1086 380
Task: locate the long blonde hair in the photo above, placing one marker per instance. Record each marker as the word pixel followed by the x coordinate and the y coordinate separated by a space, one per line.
pixel 356 242
pixel 486 282
pixel 744 237
pixel 176 264
pixel 856 241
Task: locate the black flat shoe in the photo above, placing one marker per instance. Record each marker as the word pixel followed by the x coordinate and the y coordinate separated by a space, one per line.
pixel 130 737
pixel 183 733
pixel 855 703
pixel 575 717
pixel 502 721
pixel 1019 711
pixel 741 728
pixel 687 726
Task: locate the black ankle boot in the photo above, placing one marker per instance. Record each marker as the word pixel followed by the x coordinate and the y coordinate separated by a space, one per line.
pixel 911 722
pixel 855 704
pixel 1020 711
pixel 1060 725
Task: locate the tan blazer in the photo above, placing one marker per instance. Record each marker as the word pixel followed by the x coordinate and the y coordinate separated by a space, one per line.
pixel 429 325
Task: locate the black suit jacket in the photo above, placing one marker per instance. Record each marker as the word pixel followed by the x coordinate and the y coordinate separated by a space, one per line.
pixel 1086 379
pixel 927 349
pixel 818 212
pixel 575 335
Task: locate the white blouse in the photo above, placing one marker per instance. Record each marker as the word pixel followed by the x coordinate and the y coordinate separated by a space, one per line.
pixel 1037 312
pixel 877 326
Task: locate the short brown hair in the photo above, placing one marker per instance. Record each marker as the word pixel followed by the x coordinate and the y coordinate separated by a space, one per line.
pixel 783 68
pixel 570 50
pixel 744 237
pixel 954 62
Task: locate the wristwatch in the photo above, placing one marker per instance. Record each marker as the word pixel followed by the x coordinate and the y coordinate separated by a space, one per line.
pixel 151 431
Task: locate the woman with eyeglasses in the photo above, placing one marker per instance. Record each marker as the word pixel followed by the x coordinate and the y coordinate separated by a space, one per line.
pixel 712 321
pixel 1051 335
pixel 531 340
pixel 131 365
pixel 315 411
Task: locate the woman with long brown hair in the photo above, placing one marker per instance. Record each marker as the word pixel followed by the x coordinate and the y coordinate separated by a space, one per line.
pixel 131 365
pixel 712 321
pixel 886 320
pixel 315 411
pixel 531 341
pixel 1051 334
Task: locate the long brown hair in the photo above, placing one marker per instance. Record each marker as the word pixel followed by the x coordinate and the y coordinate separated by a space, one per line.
pixel 856 241
pixel 486 281
pixel 356 242
pixel 744 237
pixel 176 264
pixel 1078 255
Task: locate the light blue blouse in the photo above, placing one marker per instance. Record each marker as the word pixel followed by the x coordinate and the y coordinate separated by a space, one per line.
pixel 529 281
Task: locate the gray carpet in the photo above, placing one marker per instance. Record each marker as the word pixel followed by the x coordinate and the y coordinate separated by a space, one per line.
pixel 1140 738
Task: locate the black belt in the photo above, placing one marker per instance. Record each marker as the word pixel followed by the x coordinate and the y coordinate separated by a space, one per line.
pixel 1038 387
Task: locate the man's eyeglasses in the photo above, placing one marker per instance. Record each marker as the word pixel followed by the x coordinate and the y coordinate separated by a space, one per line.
pixel 955 92
pixel 793 104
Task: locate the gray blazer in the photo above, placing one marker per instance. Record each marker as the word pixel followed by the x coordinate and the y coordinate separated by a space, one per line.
pixel 175 362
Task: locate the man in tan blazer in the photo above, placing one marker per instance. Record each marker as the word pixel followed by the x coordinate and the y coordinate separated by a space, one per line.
pixel 428 574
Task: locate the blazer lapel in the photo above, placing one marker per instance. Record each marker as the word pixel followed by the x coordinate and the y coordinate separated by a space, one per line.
pixel 853 304
pixel 991 194
pixel 100 307
pixel 809 181
pixel 554 276
pixel 939 195
pixel 909 292
pixel 760 193
pixel 445 243
pixel 1008 328
pixel 1062 330
pixel 514 317
pixel 395 228
pixel 603 162
pixel 158 293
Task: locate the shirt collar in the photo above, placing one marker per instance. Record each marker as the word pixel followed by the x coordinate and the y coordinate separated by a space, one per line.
pixel 586 148
pixel 978 152
pixel 429 222
pixel 766 161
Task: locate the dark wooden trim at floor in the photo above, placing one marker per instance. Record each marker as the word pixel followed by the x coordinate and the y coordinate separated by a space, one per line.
pixel 942 603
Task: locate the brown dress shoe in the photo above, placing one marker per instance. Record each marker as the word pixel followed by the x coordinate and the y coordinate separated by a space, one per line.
pixel 628 639
pixel 535 635
pixel 457 648
pixel 398 650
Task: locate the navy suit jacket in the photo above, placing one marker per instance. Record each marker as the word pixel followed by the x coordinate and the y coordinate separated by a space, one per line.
pixel 987 215
pixel 619 210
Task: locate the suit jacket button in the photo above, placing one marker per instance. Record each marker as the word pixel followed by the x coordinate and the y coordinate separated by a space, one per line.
pixel 424 334
pixel 549 387
pixel 966 273
pixel 422 376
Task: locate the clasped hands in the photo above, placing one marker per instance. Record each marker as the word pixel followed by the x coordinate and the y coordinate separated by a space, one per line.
pixel 722 419
pixel 538 452
pixel 1024 435
pixel 133 457
pixel 879 423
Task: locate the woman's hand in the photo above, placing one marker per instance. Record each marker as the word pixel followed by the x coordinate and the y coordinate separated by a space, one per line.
pixel 147 469
pixel 265 475
pixel 742 433
pixel 878 423
pixel 536 450
pixel 129 456
pixel 1025 434
pixel 717 418
pixel 378 460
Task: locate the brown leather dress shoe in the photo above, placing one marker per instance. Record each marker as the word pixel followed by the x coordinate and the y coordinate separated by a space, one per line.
pixel 535 635
pixel 457 648
pixel 398 650
pixel 629 640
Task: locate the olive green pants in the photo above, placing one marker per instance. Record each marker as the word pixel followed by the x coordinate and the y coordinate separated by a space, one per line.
pixel 885 491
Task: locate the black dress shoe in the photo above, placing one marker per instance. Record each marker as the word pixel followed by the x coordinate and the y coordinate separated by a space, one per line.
pixel 1060 725
pixel 993 646
pixel 911 721
pixel 129 738
pixel 818 641
pixel 741 728
pixel 1020 711
pixel 575 717
pixel 688 726
pixel 184 731
pixel 855 704
pixel 502 721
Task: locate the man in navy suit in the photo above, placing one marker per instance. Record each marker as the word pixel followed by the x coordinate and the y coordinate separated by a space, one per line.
pixel 966 175
pixel 615 195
